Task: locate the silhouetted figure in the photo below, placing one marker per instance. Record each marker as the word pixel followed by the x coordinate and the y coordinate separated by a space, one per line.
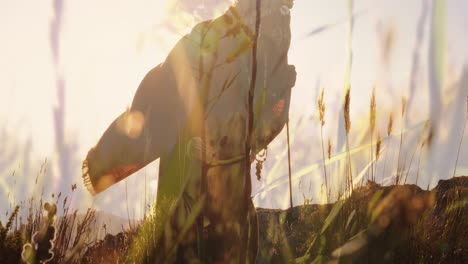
pixel 204 82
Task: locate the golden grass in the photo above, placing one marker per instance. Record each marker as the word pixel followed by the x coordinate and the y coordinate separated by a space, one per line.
pixel 321 107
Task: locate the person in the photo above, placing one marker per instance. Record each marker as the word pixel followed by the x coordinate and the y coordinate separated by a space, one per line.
pixel 191 112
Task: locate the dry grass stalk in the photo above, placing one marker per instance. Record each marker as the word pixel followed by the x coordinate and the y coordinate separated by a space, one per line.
pixel 421 143
pixel 403 105
pixel 378 148
pixel 419 162
pixel 389 132
pixel 4 230
pixel 390 125
pixel 372 129
pixel 346 110
pixel 426 140
pixel 461 140
pixel 347 118
pixel 329 157
pixel 399 168
pixel 321 107
pixel 409 167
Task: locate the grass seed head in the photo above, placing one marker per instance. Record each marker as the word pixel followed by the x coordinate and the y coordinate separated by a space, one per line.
pixel 390 124
pixel 346 110
pixel 372 112
pixel 430 137
pixel 377 148
pixel 428 131
pixel 403 105
pixel 321 106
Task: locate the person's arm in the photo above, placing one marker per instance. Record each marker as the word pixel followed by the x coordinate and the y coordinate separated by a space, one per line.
pixel 138 136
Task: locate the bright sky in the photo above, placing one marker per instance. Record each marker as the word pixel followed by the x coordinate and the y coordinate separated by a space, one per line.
pixel 107 46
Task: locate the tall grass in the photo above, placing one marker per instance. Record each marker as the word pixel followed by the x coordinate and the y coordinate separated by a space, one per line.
pixel 347 78
pixel 378 149
pixel 321 108
pixel 355 239
pixel 37 231
pixel 347 118
pixel 399 168
pixel 461 140
pixel 372 117
pixel 329 151
pixel 10 239
pixel 420 144
pixel 389 132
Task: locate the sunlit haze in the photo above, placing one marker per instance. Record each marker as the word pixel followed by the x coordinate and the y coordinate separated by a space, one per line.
pixel 106 47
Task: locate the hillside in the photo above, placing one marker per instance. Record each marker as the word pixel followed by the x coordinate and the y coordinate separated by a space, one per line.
pixel 391 224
